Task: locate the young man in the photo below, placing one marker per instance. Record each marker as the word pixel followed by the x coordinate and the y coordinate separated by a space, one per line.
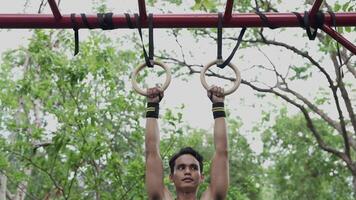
pixel 186 166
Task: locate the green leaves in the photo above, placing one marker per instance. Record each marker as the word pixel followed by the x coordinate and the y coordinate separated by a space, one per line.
pixel 205 5
pixel 301 72
pixel 297 159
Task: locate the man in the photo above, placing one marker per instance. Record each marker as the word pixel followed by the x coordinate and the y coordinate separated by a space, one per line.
pixel 186 166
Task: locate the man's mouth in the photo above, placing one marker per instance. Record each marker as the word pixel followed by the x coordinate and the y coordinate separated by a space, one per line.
pixel 187 179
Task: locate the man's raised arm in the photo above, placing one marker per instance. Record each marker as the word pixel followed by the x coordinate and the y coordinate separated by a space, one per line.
pixel 154 167
pixel 220 165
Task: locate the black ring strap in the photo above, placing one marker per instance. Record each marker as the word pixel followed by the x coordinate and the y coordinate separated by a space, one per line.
pixel 300 19
pixel 148 60
pixel 85 21
pixel 311 35
pixel 239 40
pixel 263 17
pixel 76 33
pixel 219 39
pixel 128 21
pixel 219 43
pixel 105 21
pixel 265 21
pixel 319 21
pixel 150 37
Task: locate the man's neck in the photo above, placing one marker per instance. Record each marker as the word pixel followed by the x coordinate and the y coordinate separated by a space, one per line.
pixel 186 196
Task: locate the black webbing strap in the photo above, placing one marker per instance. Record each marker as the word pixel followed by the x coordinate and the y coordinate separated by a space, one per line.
pixel 239 40
pixel 319 20
pixel 311 35
pixel 333 21
pixel 265 21
pixel 219 39
pixel 150 37
pixel 76 33
pixel 105 21
pixel 128 21
pixel 219 42
pixel 263 17
pixel 85 21
pixel 148 59
pixel 300 19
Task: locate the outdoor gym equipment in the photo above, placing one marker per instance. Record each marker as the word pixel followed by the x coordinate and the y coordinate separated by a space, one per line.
pixel 311 21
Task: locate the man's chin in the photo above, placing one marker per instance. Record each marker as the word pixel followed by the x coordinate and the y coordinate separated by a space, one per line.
pixel 188 187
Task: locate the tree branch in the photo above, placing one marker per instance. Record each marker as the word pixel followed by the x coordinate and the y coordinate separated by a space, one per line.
pixel 310 124
pixel 343 91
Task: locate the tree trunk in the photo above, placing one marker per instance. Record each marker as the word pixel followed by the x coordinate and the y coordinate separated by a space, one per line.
pixel 3 180
pixel 354 185
pixel 22 187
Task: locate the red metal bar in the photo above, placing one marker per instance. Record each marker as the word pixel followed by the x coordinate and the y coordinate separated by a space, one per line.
pixel 24 21
pixel 228 10
pixel 315 8
pixel 142 9
pixel 57 15
pixel 347 44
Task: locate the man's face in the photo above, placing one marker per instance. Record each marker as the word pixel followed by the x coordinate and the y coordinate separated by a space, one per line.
pixel 186 175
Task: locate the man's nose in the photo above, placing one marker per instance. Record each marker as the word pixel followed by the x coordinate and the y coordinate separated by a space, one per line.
pixel 187 171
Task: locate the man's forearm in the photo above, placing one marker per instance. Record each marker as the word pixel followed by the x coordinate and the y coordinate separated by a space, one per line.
pixel 220 135
pixel 152 136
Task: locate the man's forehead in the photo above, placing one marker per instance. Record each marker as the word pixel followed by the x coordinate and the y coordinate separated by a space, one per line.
pixel 187 159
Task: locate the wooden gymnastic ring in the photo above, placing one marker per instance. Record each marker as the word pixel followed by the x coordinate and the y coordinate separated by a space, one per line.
pixel 143 65
pixel 232 66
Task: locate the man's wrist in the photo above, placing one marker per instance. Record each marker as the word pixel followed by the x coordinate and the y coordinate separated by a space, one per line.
pixel 218 110
pixel 152 110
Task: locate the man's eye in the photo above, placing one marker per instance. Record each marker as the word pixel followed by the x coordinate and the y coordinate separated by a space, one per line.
pixel 180 167
pixel 194 167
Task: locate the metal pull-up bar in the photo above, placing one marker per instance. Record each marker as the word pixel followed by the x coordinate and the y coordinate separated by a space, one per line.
pixel 231 20
pixel 23 21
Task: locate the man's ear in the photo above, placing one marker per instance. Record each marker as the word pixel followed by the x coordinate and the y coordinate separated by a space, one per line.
pixel 171 177
pixel 202 178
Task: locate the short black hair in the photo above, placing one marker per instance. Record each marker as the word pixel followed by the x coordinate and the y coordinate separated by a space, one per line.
pixel 183 151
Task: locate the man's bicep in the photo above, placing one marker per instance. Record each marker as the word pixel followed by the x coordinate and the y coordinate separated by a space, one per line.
pixel 154 176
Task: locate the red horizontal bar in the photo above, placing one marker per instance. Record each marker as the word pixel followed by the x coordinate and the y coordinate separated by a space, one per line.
pixel 169 20
pixel 347 44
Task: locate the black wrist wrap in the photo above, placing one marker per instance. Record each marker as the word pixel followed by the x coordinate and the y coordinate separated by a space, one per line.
pixel 218 110
pixel 152 110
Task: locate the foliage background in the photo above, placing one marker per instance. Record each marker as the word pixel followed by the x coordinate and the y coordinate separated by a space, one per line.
pixel 94 150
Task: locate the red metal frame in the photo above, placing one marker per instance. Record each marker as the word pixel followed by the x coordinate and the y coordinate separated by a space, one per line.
pixel 142 9
pixel 228 10
pixel 17 21
pixel 338 37
pixel 315 9
pixel 57 15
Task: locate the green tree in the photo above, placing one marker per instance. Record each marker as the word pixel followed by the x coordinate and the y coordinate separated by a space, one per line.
pixel 297 168
pixel 96 149
pixel 306 75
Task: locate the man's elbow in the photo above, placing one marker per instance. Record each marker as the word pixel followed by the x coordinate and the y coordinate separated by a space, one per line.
pixel 152 154
pixel 220 196
pixel 154 197
pixel 223 152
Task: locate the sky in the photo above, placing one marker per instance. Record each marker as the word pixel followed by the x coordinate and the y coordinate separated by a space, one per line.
pixel 197 111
